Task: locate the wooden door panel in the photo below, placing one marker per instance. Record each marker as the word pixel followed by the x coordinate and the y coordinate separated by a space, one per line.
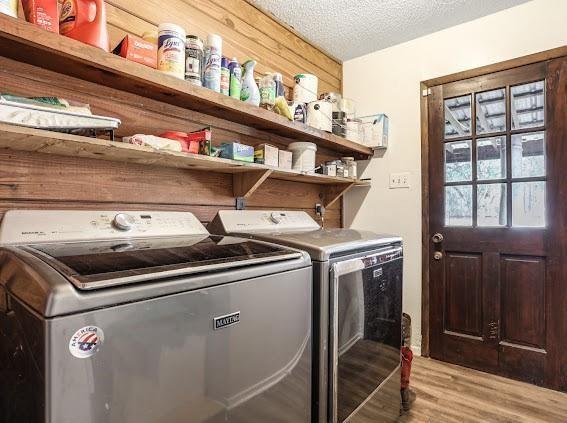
pixel 523 301
pixel 522 363
pixel 469 351
pixel 463 293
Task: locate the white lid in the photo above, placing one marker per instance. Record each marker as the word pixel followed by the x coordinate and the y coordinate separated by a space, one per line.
pixel 302 146
pixel 305 76
pixel 172 27
pixel 214 40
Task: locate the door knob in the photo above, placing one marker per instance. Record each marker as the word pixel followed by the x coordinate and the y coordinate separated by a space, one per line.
pixel 437 238
pixel 438 255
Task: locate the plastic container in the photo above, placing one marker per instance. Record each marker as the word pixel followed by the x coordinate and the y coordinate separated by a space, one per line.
pixel 347 106
pixel 351 166
pixel 9 7
pixel 150 37
pixel 213 56
pixel 267 92
pixel 194 58
pixel 354 129
pixel 305 89
pixel 235 78
pixel 249 92
pixel 224 77
pixel 303 156
pixel 278 79
pixel 171 50
pixel 85 20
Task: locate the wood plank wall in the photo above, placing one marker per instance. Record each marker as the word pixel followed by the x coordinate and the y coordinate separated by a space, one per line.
pixel 37 180
pixel 247 33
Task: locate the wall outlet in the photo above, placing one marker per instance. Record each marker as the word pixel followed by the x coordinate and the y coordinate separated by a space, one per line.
pixel 399 180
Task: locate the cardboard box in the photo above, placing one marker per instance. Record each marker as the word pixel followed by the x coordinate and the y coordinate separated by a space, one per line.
pixel 137 50
pixel 284 161
pixel 237 151
pixel 203 137
pixel 43 13
pixel 266 154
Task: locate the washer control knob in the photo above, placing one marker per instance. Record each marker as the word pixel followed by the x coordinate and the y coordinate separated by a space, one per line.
pixel 123 221
pixel 276 218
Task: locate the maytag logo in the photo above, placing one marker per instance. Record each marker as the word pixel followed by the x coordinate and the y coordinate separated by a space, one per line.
pixel 226 320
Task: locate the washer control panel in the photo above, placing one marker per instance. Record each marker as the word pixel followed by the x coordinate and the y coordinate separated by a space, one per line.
pixel 250 221
pixel 35 226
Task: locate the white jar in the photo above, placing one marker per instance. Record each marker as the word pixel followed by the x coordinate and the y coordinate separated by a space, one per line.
pixel 171 50
pixel 303 156
pixel 350 164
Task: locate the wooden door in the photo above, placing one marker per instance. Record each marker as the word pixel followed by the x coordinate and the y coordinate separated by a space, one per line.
pixel 497 210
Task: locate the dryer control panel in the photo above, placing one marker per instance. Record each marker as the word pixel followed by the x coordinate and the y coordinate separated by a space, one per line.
pixel 256 221
pixel 35 226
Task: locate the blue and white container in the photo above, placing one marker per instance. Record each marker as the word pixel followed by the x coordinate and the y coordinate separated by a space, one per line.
pixel 213 56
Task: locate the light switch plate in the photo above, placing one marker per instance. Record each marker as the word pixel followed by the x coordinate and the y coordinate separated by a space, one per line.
pixel 399 180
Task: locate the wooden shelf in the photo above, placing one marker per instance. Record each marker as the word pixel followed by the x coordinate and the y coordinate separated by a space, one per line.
pixel 28 43
pixel 247 177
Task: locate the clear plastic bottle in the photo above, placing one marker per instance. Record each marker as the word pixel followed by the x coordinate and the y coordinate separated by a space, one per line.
pixel 278 79
pixel 267 92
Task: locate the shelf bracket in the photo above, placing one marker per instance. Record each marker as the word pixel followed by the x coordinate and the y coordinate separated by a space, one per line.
pixel 331 193
pixel 244 184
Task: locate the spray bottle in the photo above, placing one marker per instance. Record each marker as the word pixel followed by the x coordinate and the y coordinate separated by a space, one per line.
pixel 250 92
pixel 212 71
pixel 235 78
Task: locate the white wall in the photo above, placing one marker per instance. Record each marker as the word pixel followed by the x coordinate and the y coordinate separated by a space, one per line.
pixel 387 81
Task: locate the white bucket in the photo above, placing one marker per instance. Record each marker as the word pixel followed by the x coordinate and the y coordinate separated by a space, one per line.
pixel 303 156
pixel 305 89
pixel 320 115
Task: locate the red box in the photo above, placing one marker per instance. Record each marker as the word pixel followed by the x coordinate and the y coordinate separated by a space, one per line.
pixel 137 50
pixel 43 13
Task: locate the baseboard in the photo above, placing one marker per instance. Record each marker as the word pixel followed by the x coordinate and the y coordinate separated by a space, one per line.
pixel 416 349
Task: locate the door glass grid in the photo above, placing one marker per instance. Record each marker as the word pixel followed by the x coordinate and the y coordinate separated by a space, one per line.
pixel 495 171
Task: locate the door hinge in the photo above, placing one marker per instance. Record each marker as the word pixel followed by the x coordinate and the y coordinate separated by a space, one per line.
pixel 425 92
pixel 493 330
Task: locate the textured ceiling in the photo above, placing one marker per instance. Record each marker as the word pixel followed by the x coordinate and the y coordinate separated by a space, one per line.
pixel 350 28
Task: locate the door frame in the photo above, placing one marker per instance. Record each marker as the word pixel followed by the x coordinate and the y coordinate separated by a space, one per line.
pixel 425 87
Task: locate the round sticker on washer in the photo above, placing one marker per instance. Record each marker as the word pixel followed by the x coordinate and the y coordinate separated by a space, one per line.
pixel 86 341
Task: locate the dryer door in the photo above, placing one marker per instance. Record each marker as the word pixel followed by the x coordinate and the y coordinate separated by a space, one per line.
pixel 366 311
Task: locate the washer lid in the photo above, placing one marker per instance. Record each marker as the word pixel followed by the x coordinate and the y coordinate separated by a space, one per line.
pixel 91 265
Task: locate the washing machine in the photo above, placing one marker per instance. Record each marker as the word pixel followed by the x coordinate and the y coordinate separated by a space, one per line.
pixel 144 317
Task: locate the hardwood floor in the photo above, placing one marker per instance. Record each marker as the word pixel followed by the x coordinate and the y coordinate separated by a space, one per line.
pixel 449 393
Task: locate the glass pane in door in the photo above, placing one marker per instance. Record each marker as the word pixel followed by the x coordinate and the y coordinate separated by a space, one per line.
pixel 491 111
pixel 491 158
pixel 458 205
pixel 491 205
pixel 458 164
pixel 458 117
pixel 528 204
pixel 528 155
pixel 528 105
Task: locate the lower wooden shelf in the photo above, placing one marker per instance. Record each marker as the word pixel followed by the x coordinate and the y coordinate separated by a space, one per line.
pixel 247 177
